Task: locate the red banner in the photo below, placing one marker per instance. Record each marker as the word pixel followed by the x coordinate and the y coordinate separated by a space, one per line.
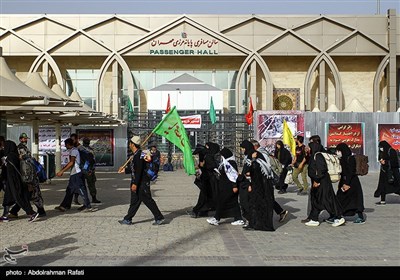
pixel 191 121
pixel 350 133
pixel 390 133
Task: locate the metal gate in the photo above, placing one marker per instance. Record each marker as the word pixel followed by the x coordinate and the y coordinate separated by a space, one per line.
pixel 229 131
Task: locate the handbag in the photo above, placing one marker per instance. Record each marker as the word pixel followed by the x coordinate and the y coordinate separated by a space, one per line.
pixel 389 173
pixel 289 177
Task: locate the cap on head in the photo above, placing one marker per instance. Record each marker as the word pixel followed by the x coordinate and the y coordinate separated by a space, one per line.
pixel 24 135
pixel 135 140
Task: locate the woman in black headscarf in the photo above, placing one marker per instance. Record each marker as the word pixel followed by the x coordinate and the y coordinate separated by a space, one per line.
pixel 285 158
pixel 227 199
pixel 17 189
pixel 204 201
pixel 389 176
pixel 349 193
pixel 211 162
pixel 322 194
pixel 261 192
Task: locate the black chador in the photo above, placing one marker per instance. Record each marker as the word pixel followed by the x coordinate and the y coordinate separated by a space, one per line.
pixel 322 196
pixel 261 192
pixel 227 199
pixel 351 200
pixel 204 201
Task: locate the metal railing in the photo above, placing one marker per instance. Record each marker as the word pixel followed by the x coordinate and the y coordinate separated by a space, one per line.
pixel 229 131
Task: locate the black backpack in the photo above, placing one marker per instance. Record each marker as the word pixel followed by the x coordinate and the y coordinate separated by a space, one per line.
pixel 88 161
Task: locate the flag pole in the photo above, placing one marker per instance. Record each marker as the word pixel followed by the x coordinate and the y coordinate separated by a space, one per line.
pixel 131 157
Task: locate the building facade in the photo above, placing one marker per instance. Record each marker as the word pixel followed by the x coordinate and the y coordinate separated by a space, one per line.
pixel 283 62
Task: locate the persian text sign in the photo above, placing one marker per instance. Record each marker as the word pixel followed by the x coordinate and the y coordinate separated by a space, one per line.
pixel 390 133
pixel 191 121
pixel 183 46
pixel 350 133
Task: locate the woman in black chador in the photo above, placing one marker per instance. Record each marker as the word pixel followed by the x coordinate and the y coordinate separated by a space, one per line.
pixel 204 201
pixel 389 176
pixel 17 191
pixel 261 192
pixel 322 194
pixel 227 199
pixel 284 157
pixel 211 162
pixel 349 194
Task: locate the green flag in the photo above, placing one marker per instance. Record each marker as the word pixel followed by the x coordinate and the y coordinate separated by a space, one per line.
pixel 213 116
pixel 172 129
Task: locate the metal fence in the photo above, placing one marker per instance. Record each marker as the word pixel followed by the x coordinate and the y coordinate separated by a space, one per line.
pixel 229 131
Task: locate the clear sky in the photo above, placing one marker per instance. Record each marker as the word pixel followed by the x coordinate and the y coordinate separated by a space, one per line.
pixel 326 7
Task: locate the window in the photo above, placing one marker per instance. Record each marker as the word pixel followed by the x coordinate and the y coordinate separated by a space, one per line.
pixel 83 81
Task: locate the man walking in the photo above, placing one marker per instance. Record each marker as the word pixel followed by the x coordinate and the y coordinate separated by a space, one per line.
pixel 90 176
pixel 76 182
pixel 300 166
pixel 140 185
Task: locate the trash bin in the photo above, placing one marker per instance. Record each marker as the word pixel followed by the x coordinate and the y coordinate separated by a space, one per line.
pixel 50 165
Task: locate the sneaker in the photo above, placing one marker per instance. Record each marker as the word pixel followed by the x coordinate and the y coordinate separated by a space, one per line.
pixel 60 208
pixel 43 214
pixel 338 222
pixel 312 223
pixel 81 208
pixel 96 201
pixel 125 222
pixel 305 221
pixel 12 216
pixel 238 223
pixel 283 215
pixel 91 209
pixel 330 220
pixel 282 191
pixel 299 191
pixel 213 221
pixel 33 217
pixel 381 203
pixel 192 214
pixel 76 202
pixel 359 221
pixel 304 192
pixel 158 222
pixel 4 219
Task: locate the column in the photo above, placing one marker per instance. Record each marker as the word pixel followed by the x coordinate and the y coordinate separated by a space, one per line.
pixel 392 71
pixel 322 86
pixel 35 140
pixel 58 146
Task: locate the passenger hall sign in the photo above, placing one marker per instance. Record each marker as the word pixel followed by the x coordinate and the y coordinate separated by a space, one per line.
pixel 184 46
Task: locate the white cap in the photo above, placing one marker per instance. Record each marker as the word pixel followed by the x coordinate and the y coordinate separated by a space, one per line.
pixel 135 140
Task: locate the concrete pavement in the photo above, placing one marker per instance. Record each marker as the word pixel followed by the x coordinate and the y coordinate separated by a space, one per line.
pixel 97 239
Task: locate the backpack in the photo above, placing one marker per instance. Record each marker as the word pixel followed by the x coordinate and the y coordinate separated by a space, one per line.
pixel 333 164
pixel 87 160
pixel 152 167
pixel 397 153
pixel 361 164
pixel 27 170
pixel 276 166
pixel 40 171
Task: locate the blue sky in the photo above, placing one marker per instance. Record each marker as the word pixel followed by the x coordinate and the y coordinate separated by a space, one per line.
pixel 326 7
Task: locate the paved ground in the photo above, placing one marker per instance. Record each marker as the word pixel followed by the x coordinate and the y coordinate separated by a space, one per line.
pixel 85 239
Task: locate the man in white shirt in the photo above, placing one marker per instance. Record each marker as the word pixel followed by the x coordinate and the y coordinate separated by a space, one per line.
pixel 76 182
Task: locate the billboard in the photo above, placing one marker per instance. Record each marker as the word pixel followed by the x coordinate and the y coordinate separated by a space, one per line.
pixel 269 126
pixel 350 133
pixel 390 133
pixel 102 141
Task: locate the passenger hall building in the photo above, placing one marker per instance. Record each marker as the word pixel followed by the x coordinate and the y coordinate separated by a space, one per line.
pixel 284 62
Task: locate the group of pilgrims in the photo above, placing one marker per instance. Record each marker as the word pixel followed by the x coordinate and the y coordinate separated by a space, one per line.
pixel 247 195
